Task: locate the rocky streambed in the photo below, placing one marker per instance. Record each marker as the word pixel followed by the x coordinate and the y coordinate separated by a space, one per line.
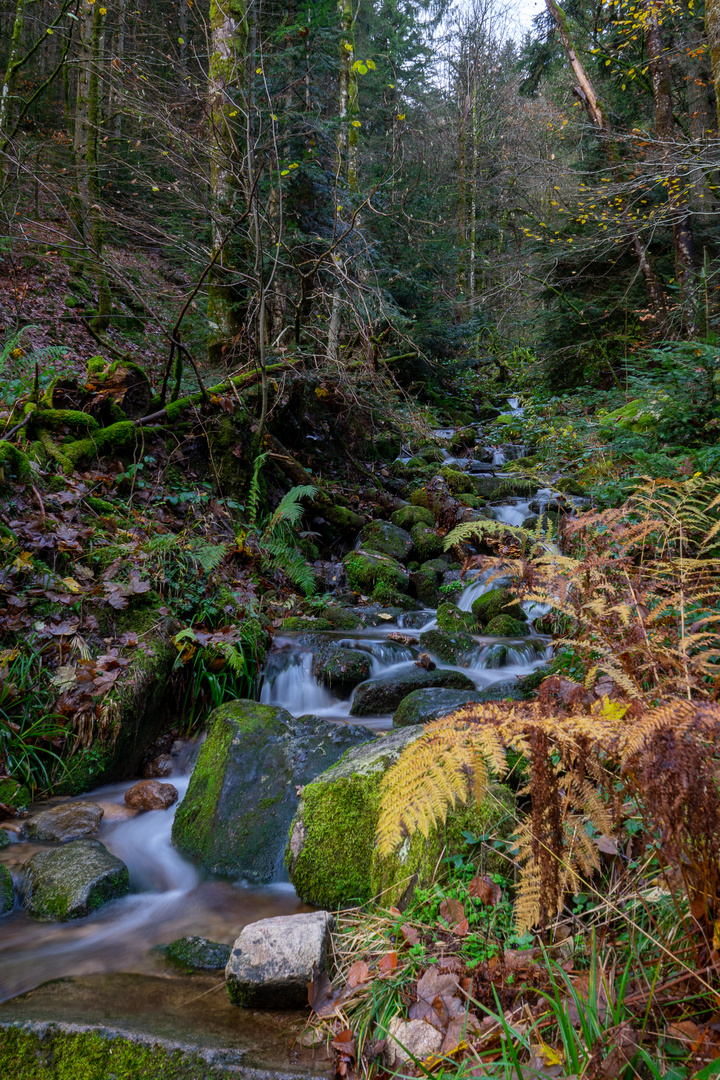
pixel 274 812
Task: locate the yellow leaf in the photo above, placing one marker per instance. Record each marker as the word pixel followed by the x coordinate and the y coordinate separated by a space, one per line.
pixel 716 925
pixel 48 31
pixel 258 71
pixel 233 113
pixel 71 584
pixel 156 189
pixel 8 655
pixel 356 123
pixel 321 392
pixel 401 116
pixel 547 1055
pixel 370 64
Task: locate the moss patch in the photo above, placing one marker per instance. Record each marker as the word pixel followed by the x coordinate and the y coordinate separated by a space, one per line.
pixel 7 898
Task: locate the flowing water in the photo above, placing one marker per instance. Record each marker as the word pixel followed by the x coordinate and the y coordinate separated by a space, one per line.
pixel 170 897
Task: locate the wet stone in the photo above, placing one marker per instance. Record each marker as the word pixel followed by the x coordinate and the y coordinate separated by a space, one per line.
pixel 198 953
pixel 159 766
pixel 386 538
pixel 422 706
pixel 60 824
pixel 151 795
pixel 273 960
pixel 384 693
pixel 71 881
pixel 7 898
pixel 456 648
pixel 4 839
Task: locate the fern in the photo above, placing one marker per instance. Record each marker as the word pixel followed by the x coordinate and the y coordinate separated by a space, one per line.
pixel 288 559
pixel 290 509
pixel 209 556
pixel 539 539
pixel 254 488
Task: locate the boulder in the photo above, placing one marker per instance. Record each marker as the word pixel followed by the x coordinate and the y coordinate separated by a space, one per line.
pixel 4 839
pixel 458 482
pixel 332 856
pixel 512 690
pixel 425 587
pixel 71 821
pixel 451 619
pixel 366 568
pixel 71 881
pixel 437 566
pixel 198 953
pixel 495 657
pixel 413 620
pixel 159 766
pixel 422 706
pixel 273 960
pixel 151 795
pixel 407 516
pixel 386 538
pixel 341 618
pixel 388 596
pixel 342 669
pixel 496 602
pixel 300 622
pixel 450 648
pixel 384 693
pixel 7 898
pixel 506 626
pixel 426 542
pixel 14 794
pixel 243 791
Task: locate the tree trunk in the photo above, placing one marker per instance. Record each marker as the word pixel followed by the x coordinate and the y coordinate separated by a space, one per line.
pixel 6 95
pixel 712 29
pixel 228 43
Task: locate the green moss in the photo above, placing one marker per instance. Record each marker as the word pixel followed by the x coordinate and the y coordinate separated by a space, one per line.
pixel 473 501
pixel 110 438
pixel 366 568
pixel 407 516
pixel 54 1054
pixel 426 542
pixel 96 365
pixel 57 419
pixel 14 794
pixel 496 602
pixel 101 506
pixel 449 648
pixel 340 617
pixel 457 482
pixel 506 626
pixel 4 839
pixel 299 622
pixel 424 582
pixel 14 462
pixel 7 898
pixel 569 486
pixel 389 597
pixel 451 619
pixel 515 487
pixel 198 954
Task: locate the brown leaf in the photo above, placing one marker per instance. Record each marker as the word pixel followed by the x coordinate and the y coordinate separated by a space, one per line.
pixel 452 911
pixel 321 997
pixel 387 963
pixel 358 973
pixel 607 845
pixel 410 934
pixel 485 890
pixel 461 929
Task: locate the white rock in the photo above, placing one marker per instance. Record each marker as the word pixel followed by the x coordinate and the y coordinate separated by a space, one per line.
pixel 408 1039
pixel 272 961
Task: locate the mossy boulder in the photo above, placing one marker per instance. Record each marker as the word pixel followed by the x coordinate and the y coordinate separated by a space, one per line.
pixel 4 839
pixel 342 669
pixel 410 515
pixel 366 568
pixel 451 619
pixel 71 881
pixel 386 538
pixel 474 502
pixel 486 486
pixel 301 622
pixel 426 542
pixel 243 791
pixel 424 584
pixel 569 486
pixel 198 954
pixel 515 488
pixel 14 794
pixel 504 691
pixel 496 602
pixel 457 482
pixel 341 618
pixel 506 626
pixel 332 856
pixel 390 597
pixel 7 898
pixel 383 694
pixel 422 706
pixel 449 648
pixel 463 439
pixel 433 455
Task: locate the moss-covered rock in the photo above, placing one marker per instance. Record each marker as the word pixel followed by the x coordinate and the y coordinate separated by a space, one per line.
pixel 332 856
pixel 71 881
pixel 455 648
pixel 342 669
pixel 474 502
pixel 243 791
pixel 4 839
pixel 341 618
pixel 463 439
pixel 422 706
pixel 495 657
pixel 366 568
pixel 198 954
pixel 504 691
pixel 14 794
pixel 496 602
pixel 301 622
pixel 506 626
pixel 438 566
pixel 7 898
pixel 569 486
pixel 426 542
pixel 383 694
pixel 410 515
pixel 458 482
pixel 425 586
pixel 390 597
pixel 451 619
pixel 433 455
pixel 514 488
pixel 386 538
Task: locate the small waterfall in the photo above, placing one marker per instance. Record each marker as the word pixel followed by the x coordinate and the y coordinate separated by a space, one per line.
pixel 296 688
pixel 513 512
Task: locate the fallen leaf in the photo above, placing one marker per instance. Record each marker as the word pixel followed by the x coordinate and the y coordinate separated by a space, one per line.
pixel 358 973
pixel 606 844
pixel 485 890
pixel 387 963
pixel 452 911
pixel 410 934
pixel 321 997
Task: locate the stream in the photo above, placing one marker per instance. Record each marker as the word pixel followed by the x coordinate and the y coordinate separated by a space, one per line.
pixel 170 896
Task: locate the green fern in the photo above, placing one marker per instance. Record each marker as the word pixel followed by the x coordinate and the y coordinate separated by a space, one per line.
pixel 288 559
pixel 254 489
pixel 290 509
pixel 539 538
pixel 209 556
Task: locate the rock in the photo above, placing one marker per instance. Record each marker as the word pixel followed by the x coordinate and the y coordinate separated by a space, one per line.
pixel 496 602
pixel 513 690
pixel 425 586
pixel 451 619
pixel 332 856
pixel 413 620
pixel 402 639
pixel 377 615
pixel 7 897
pixel 424 705
pixel 506 626
pixel 342 669
pixel 159 766
pixel 473 501
pixel 486 486
pixel 432 454
pixel 450 648
pixel 495 657
pixel 366 568
pixel 384 693
pixel 341 618
pixel 71 881
pixel 4 839
pixel 530 521
pixel 13 794
pixel 463 438
pixel 198 953
pixel 410 515
pixel 386 538
pixel 300 622
pixel 426 542
pixel 273 960
pixel 408 1041
pixel 437 566
pixel 568 486
pixel 390 597
pixel 457 482
pixel 151 795
pixel 71 821
pixel 425 661
pixel 243 791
